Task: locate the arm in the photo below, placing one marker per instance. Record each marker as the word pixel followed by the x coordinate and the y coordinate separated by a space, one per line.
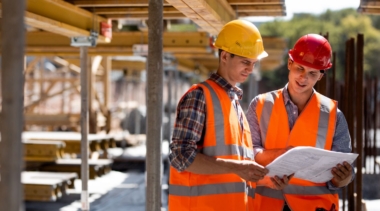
pixel 343 173
pixel 262 156
pixel 188 133
pixel 247 170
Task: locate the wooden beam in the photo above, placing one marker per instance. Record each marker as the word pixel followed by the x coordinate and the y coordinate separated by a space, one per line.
pixel 62 62
pixel 255 2
pixel 188 65
pixel 31 65
pixel 107 65
pixel 259 8
pixel 63 18
pixel 44 43
pixel 167 16
pixel 130 65
pixel 210 15
pixel 112 3
pixel 130 10
pixel 194 16
pixel 263 13
pixel 212 11
pixel 369 4
pixel 369 11
pixel 36 102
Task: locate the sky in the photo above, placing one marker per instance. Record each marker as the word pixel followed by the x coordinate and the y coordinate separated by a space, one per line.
pixel 310 6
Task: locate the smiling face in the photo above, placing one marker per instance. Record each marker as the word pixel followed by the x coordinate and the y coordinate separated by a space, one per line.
pixel 302 78
pixel 235 69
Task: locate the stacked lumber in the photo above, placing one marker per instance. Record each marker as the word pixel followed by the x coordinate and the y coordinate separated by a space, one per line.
pixel 43 151
pixel 97 168
pixel 46 186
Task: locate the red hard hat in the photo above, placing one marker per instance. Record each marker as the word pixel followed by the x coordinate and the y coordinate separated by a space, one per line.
pixel 312 50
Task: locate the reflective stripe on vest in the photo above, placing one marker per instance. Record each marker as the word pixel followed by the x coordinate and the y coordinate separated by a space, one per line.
pixel 266 113
pixel 323 122
pixel 293 189
pixel 221 148
pixel 202 190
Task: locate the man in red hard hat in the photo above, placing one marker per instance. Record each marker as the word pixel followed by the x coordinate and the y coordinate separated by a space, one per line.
pixel 297 115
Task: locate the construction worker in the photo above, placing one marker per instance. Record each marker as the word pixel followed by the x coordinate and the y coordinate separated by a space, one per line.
pixel 211 157
pixel 297 115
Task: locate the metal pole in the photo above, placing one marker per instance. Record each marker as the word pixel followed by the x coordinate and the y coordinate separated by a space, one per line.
pixel 84 80
pixel 351 114
pixel 359 119
pixel 12 66
pixel 154 106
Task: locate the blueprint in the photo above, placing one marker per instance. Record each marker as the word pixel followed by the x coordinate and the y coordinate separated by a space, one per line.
pixel 308 163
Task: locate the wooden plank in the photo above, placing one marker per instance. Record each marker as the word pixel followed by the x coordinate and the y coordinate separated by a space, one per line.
pixel 263 13
pixel 61 17
pixel 167 16
pixel 31 65
pixel 35 150
pixel 194 16
pixel 255 2
pixel 259 8
pixel 68 178
pixel 97 168
pixel 369 10
pixel 204 10
pixel 131 10
pixel 112 3
pixel 369 4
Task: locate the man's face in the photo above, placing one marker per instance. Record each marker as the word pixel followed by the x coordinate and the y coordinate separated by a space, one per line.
pixel 238 68
pixel 302 78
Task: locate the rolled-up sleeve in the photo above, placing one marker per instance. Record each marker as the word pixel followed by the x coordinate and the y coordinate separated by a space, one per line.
pixel 188 129
pixel 254 126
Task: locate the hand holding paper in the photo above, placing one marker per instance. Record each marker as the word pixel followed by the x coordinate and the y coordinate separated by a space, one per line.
pixel 308 163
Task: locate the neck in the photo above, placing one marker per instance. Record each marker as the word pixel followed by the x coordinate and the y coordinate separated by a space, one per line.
pixel 300 99
pixel 225 76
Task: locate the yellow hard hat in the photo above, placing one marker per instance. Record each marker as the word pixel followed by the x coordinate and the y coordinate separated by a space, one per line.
pixel 241 38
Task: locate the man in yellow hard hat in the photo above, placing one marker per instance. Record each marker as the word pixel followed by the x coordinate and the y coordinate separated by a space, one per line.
pixel 212 166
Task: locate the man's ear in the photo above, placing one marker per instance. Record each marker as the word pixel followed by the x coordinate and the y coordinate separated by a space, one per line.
pixel 289 63
pixel 224 56
pixel 321 76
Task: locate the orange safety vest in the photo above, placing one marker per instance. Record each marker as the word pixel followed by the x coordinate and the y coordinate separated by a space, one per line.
pixel 314 127
pixel 223 139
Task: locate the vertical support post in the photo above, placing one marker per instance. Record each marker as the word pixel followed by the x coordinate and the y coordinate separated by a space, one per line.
pixel 359 119
pixel 169 103
pixel 84 80
pixel 12 67
pixel 41 70
pixel 107 65
pixel 154 106
pixel 351 114
pixel 375 126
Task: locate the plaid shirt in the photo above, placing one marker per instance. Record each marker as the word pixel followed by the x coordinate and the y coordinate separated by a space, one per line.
pixel 189 127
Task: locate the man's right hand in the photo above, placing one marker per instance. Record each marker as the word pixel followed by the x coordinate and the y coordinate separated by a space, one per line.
pixel 250 170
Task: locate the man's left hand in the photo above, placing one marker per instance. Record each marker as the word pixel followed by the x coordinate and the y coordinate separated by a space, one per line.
pixel 342 174
pixel 280 183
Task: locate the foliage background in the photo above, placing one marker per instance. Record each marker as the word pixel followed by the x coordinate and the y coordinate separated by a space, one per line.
pixel 340 25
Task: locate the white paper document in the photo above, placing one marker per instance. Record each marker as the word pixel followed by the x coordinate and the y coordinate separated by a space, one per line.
pixel 308 163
